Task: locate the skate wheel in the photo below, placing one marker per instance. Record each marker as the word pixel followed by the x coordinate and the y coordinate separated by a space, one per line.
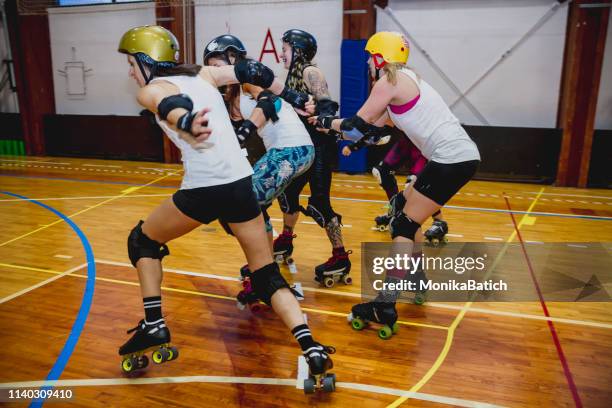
pixel 161 355
pixel 395 328
pixel 385 332
pixel 357 323
pixel 382 228
pixel 240 305
pixel 142 362
pixel 255 308
pixel 174 353
pixel 278 258
pixel 419 299
pixel 329 383
pixel 347 280
pixel 329 282
pixel 309 386
pixel 128 364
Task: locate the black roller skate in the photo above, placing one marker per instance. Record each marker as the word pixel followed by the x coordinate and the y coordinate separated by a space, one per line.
pixel 337 268
pixel 283 249
pixel 247 297
pixel 436 234
pixel 382 222
pixel 319 362
pixel 154 337
pixel 377 312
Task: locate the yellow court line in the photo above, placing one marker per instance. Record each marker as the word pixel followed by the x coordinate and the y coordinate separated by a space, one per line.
pixel 123 194
pixel 451 329
pixel 205 294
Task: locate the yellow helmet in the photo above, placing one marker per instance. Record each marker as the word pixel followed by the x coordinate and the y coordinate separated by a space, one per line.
pixel 390 46
pixel 157 43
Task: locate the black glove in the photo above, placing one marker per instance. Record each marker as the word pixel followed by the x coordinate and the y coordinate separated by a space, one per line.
pixel 295 98
pixel 184 123
pixel 325 122
pixel 245 131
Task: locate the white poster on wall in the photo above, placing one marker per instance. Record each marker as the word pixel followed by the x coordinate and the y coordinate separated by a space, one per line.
pixel 89 76
pixel 467 37
pixel 261 26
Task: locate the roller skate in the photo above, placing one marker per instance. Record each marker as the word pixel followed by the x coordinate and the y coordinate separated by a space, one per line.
pixel 381 313
pixel 156 338
pixel 337 268
pixel 319 362
pixel 436 234
pixel 382 222
pixel 283 249
pixel 247 297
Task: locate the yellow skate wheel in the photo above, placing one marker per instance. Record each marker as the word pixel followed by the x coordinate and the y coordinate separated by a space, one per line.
pixel 385 332
pixel 357 323
pixel 127 365
pixel 395 328
pixel 174 353
pixel 161 355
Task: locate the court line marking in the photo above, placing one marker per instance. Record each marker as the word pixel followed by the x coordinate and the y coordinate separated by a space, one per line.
pixel 40 284
pixel 124 193
pixel 454 207
pixel 450 334
pixel 244 380
pixel 519 315
pixel 553 332
pixel 208 294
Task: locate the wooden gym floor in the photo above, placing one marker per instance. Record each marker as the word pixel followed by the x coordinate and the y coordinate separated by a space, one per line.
pixel 478 354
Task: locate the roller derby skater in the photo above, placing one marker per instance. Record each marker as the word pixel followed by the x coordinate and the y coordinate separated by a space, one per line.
pixel 217 185
pixel 299 48
pixel 253 111
pixel 418 111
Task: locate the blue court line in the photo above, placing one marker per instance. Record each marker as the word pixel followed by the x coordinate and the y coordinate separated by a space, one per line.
pixel 494 210
pixel 79 323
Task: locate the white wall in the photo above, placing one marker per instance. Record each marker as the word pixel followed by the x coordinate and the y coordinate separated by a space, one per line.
pixel 465 37
pixel 603 116
pixel 250 23
pixel 8 99
pixel 94 33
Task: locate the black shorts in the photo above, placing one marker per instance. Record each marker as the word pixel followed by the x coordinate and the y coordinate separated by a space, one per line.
pixel 233 202
pixel 439 181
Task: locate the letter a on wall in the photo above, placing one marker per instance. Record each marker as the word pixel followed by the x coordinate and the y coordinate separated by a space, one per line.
pixel 271 50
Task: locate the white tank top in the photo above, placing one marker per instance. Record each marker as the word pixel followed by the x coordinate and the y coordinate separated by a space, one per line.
pixel 288 131
pixel 433 128
pixel 222 163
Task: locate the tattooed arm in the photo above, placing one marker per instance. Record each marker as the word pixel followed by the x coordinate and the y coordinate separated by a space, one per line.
pixel 316 83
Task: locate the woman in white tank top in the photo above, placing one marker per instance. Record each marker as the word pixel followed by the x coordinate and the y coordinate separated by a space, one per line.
pixel 289 149
pixel 419 111
pixel 217 185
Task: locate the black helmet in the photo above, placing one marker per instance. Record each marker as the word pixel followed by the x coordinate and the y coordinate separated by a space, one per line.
pixel 222 44
pixel 301 40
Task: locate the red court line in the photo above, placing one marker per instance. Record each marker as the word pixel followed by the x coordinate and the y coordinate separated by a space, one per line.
pixel 551 326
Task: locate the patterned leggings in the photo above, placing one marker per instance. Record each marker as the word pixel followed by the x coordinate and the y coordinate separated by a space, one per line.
pixel 276 170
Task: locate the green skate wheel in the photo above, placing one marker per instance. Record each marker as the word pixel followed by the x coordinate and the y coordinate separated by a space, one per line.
pixel 309 386
pixel 395 328
pixel 385 332
pixel 329 383
pixel 127 365
pixel 419 299
pixel 357 323
pixel 329 282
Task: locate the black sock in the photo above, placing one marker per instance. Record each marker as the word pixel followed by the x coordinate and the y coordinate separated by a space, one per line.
pixel 152 307
pixel 304 337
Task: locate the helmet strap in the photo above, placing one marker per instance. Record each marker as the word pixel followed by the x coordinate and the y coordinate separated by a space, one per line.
pixel 143 70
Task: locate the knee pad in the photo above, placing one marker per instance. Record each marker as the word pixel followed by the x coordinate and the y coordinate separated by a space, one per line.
pixel 397 203
pixel 141 246
pixel 402 226
pixel 320 210
pixel 267 280
pixel 288 205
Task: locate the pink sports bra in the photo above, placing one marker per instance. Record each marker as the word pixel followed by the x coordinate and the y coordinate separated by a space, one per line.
pixel 399 109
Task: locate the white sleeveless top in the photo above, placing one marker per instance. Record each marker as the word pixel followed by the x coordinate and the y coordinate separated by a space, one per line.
pixel 433 128
pixel 288 131
pixel 224 161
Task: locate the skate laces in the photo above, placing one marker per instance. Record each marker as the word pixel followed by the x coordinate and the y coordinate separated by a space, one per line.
pixel 285 238
pixel 141 325
pixel 338 256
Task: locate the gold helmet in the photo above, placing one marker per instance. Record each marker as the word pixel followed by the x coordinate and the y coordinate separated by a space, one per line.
pixel 390 46
pixel 157 43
